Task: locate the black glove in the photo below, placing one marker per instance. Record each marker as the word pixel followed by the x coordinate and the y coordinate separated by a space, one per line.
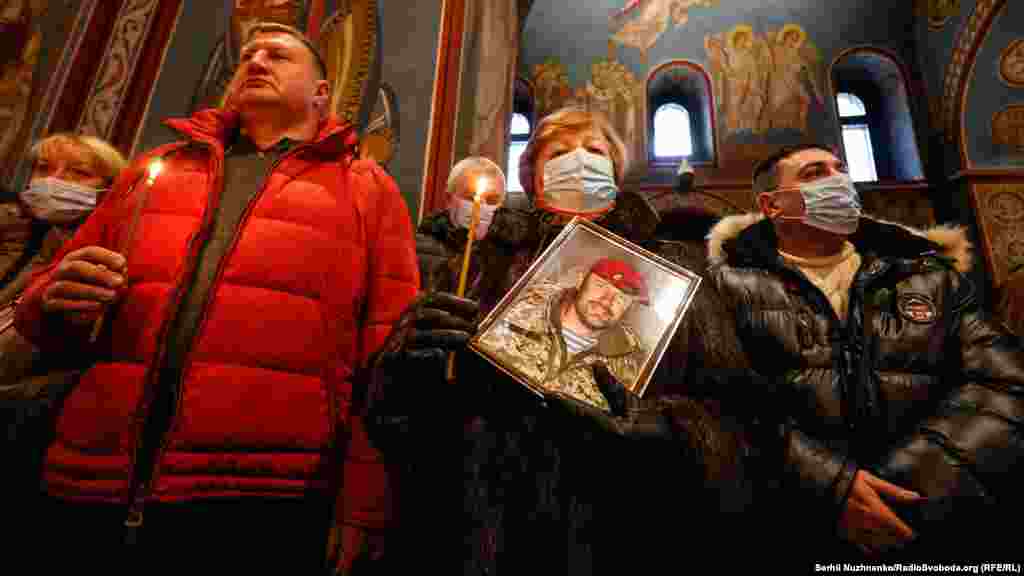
pixel 630 416
pixel 407 376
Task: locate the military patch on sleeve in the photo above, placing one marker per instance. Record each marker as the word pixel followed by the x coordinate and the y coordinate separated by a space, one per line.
pixel 917 308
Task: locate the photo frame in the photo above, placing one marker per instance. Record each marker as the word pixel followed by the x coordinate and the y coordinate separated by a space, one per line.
pixel 592 297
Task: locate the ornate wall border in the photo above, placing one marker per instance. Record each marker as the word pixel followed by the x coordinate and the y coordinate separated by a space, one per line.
pixel 1017 110
pixel 110 86
pixel 58 80
pixel 960 69
pixel 997 197
pixel 444 103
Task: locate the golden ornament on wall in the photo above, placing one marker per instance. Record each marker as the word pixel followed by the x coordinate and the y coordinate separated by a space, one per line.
pixel 1007 207
pixel 1011 64
pixel 938 12
pixel 1008 127
pixel 349 42
pixel 1000 208
pixel 381 138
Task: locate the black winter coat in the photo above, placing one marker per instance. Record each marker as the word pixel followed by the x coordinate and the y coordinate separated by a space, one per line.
pixel 916 386
pixel 542 493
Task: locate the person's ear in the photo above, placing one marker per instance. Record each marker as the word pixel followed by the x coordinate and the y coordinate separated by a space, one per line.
pixel 322 96
pixel 769 203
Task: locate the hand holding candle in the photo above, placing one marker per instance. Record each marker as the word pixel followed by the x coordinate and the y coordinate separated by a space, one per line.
pixel 152 172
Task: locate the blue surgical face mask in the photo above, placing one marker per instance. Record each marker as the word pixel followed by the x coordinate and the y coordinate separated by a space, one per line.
pixel 59 201
pixel 830 204
pixel 460 211
pixel 579 183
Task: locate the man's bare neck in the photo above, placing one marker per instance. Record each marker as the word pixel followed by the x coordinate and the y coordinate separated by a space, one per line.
pixel 811 244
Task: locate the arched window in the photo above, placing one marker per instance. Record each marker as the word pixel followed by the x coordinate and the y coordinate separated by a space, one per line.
pixel 874 116
pixel 520 127
pixel 518 136
pixel 680 119
pixel 853 118
pixel 672 138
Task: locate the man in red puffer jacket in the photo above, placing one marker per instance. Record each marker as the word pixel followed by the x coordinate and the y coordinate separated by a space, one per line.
pixel 239 278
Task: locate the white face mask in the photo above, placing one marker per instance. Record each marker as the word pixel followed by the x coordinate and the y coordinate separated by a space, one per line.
pixel 59 201
pixel 830 204
pixel 461 213
pixel 579 183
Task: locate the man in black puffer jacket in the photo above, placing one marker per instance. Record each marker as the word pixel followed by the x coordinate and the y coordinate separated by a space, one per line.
pixel 903 401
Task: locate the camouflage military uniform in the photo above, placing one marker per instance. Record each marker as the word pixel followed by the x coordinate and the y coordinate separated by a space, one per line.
pixel 529 339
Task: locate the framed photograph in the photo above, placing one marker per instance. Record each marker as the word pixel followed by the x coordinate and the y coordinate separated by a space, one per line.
pixel 590 298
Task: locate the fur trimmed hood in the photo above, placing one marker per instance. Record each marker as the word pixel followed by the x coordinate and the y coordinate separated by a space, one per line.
pixel 750 235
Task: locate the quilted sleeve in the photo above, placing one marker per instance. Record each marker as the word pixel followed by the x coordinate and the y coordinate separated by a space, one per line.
pixel 971 446
pixel 394 275
pixel 367 499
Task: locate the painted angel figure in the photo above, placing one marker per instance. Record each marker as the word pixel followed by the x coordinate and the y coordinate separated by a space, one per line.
pixel 641 22
pixel 797 77
pixel 740 69
pixel 552 85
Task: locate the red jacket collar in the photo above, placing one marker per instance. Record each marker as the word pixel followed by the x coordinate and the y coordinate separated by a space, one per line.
pixel 217 124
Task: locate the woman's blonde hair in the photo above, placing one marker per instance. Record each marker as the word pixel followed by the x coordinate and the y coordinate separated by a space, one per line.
pixel 571 119
pixel 107 161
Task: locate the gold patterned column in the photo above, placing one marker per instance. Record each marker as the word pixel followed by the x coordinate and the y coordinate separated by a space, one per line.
pixel 998 198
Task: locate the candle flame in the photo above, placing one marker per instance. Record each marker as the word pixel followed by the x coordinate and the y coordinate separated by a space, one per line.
pixel 153 170
pixel 481 186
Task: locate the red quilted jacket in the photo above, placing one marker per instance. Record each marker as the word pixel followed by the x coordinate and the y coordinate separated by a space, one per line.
pixel 323 263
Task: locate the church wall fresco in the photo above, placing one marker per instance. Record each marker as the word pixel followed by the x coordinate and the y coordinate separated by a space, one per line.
pixel 202 55
pixel 37 41
pixel 768 63
pixel 993 130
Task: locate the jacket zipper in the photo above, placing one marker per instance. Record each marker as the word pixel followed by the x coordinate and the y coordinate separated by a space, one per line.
pixel 861 281
pixel 140 489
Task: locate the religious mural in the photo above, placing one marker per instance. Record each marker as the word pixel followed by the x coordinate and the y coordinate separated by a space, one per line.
pixel 639 23
pixel 612 89
pixel 347 38
pixel 763 82
pixel 22 40
pixel 551 86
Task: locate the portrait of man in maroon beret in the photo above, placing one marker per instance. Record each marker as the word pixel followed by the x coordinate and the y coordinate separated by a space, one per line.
pixel 554 334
